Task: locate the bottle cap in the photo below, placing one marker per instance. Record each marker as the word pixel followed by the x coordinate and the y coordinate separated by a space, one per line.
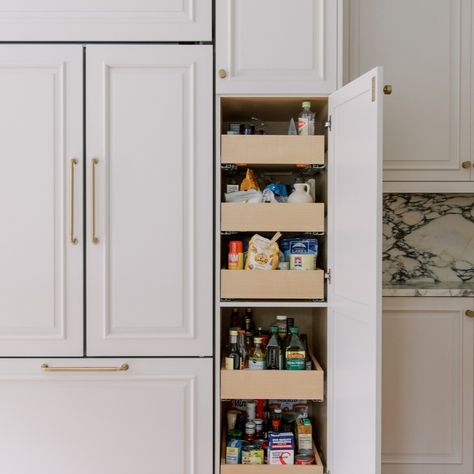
pixel 274 329
pixel 257 340
pixel 294 330
pixel 241 331
pixel 258 422
pixel 235 246
pixel 277 410
pixel 233 332
pixel 281 317
pixel 307 104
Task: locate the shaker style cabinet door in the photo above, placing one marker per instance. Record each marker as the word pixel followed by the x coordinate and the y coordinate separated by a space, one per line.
pixel 428 383
pixel 424 48
pixel 276 46
pixel 106 20
pixel 41 242
pixel 355 260
pixel 149 199
pixel 155 417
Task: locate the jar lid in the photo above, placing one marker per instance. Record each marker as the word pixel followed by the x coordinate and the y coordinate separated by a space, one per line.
pixel 281 317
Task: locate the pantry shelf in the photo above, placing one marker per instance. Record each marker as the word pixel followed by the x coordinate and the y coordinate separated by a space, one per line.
pixel 284 217
pixel 269 384
pixel 272 304
pixel 317 468
pixel 272 149
pixel 272 284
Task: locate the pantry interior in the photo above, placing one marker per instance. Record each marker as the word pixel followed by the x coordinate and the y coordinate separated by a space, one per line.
pixel 283 158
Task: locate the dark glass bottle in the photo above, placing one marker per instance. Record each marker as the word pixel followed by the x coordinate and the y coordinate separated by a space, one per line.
pixel 244 350
pixel 235 319
pixel 273 352
pixel 290 323
pixel 307 361
pixel 248 320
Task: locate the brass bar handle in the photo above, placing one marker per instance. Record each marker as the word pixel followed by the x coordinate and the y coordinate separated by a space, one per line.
pixel 72 237
pixel 121 368
pixel 469 313
pixel 94 238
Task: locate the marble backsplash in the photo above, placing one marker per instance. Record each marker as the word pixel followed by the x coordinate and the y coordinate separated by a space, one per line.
pixel 428 238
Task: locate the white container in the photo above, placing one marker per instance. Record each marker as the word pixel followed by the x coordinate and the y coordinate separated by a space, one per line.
pixel 301 194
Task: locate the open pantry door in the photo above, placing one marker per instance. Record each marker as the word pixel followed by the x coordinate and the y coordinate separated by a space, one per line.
pixel 354 290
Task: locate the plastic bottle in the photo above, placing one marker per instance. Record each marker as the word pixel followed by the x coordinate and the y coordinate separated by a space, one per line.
pixel 306 120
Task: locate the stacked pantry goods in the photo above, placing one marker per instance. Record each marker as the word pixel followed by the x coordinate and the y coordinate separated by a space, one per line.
pixel 276 432
pixel 281 347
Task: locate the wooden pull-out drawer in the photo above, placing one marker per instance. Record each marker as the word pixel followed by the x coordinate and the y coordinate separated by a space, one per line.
pixel 272 284
pixel 273 384
pixel 247 217
pixel 317 468
pixel 272 149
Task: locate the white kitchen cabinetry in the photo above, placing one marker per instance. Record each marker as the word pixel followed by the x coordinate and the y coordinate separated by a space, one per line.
pixel 276 46
pixel 425 50
pixel 106 20
pixel 153 417
pixel 149 239
pixel 41 277
pixel 344 328
pixel 428 387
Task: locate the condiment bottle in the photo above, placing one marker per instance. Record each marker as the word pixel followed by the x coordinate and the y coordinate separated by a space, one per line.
pixel 295 352
pixel 258 428
pixel 249 431
pixel 232 357
pixel 273 352
pixel 257 356
pixel 276 420
pixel 244 350
pixel 236 255
pixel 281 324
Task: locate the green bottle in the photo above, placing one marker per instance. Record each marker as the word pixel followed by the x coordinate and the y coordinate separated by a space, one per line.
pixel 295 354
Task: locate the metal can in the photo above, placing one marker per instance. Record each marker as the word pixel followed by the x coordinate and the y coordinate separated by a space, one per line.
pixel 304 459
pixel 252 454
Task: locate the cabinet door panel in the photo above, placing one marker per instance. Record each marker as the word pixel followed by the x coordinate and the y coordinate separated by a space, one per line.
pixel 354 247
pixel 106 20
pixel 149 282
pixel 155 417
pixel 424 48
pixel 276 46
pixel 41 288
pixel 428 389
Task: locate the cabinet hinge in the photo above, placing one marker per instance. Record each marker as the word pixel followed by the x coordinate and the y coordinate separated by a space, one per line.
pixel 328 124
pixel 328 275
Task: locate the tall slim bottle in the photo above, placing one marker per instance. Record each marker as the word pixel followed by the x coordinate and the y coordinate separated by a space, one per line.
pixel 273 354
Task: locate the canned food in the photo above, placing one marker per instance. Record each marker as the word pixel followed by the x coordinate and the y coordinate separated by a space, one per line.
pixel 304 459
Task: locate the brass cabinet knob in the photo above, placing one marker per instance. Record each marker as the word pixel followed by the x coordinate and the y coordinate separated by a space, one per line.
pixel 222 73
pixel 387 90
pixel 466 164
pixel 469 313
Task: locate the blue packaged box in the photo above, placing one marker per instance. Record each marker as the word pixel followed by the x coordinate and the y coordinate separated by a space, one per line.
pixel 233 452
